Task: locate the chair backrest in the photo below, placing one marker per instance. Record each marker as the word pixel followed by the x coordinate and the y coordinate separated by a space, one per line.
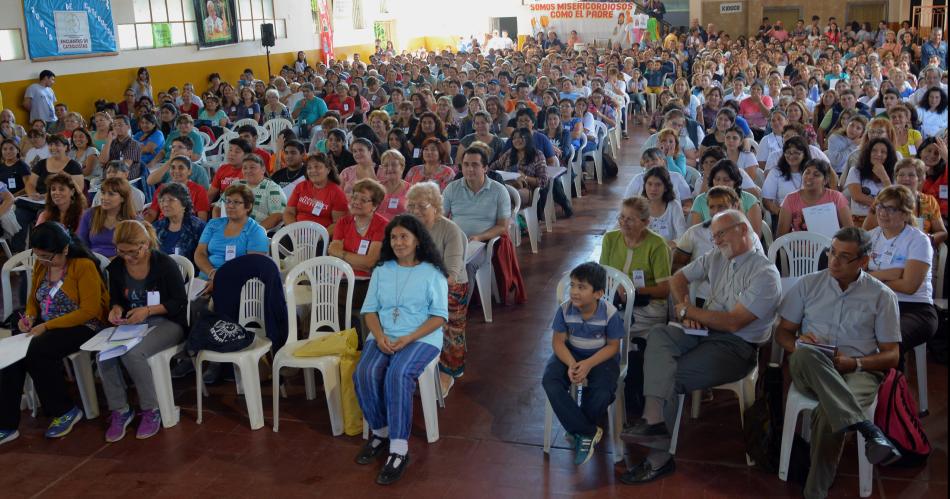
pixel 324 275
pixel 515 200
pixel 243 121
pixel 222 139
pixel 187 275
pixel 615 280
pixel 767 238
pixel 939 269
pixel 252 307
pixel 104 261
pixel 20 262
pixel 600 128
pixel 577 164
pixel 275 126
pixel 305 238
pixel 205 138
pixel 802 251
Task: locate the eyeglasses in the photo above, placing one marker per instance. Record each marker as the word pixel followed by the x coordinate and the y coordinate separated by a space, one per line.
pixel 722 233
pixel 830 253
pixel 45 258
pixel 234 202
pixel 417 207
pixel 886 210
pixel 622 220
pixel 355 198
pixel 134 252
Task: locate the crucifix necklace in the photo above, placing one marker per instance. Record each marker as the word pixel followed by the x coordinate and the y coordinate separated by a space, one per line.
pixel 395 311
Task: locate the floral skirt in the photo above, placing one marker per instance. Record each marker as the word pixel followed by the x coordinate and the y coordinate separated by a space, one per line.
pixel 452 359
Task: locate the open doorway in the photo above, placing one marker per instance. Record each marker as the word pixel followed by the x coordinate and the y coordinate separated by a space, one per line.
pixel 384 31
pixel 509 24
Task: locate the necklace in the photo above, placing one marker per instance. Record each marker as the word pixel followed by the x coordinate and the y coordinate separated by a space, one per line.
pixel 361 228
pixel 399 295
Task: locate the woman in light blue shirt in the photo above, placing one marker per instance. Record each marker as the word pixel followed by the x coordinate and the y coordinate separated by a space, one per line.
pixel 231 236
pixel 404 310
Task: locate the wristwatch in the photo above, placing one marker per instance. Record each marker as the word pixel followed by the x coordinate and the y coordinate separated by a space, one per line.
pixel 683 313
pixel 859 367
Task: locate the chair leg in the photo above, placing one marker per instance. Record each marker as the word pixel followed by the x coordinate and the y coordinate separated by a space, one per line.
pixel 548 425
pixel 309 383
pixel 697 400
pixel 429 406
pixel 865 469
pixel 251 384
pixel 86 381
pixel 920 358
pixel 334 395
pixel 200 385
pixel 674 437
pixel 788 437
pixel 162 381
pixel 483 280
pixel 275 391
pixel 534 229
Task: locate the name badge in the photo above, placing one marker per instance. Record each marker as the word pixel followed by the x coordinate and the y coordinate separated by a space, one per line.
pixel 230 251
pixel 317 208
pixel 415 153
pixel 912 149
pixel 11 183
pixel 639 279
pixel 153 298
pixel 250 112
pixel 920 223
pixel 393 203
pixel 177 251
pixel 943 192
pixel 364 247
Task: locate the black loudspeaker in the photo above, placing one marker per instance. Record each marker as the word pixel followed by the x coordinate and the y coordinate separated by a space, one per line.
pixel 267 35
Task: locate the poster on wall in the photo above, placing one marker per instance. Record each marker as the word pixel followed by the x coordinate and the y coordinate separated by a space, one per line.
pixel 326 30
pixel 62 29
pixel 218 25
pixel 595 22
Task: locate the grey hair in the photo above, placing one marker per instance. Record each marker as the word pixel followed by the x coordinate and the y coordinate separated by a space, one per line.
pixel 652 153
pixel 855 235
pixel 428 191
pixel 738 217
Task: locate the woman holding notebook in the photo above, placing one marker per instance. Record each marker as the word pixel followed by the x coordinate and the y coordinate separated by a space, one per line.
pixel 145 287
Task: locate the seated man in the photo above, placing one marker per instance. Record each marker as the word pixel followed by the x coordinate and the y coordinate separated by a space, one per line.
pixel 745 291
pixel 269 198
pixel 846 307
pixel 479 205
pixel 249 134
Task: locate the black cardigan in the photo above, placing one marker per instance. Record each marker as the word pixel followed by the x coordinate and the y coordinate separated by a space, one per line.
pixel 163 276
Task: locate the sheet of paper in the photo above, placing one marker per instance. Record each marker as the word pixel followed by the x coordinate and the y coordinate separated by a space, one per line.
pixel 198 285
pixel 97 342
pixel 473 249
pixel 31 200
pixel 118 350
pixel 13 349
pixel 690 331
pixel 822 219
pixel 506 175
pixel 129 331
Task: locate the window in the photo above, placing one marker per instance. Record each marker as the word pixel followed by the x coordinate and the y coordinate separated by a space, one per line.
pixel 252 13
pixel 159 23
pixel 11 45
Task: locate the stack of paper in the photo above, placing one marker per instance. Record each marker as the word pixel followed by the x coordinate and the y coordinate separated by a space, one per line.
pixel 13 349
pixel 116 341
pixel 198 287
pixel 690 331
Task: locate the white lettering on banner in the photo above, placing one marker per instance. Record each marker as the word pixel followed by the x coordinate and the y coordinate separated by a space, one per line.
pixel 730 8
pixel 596 21
pixel 72 31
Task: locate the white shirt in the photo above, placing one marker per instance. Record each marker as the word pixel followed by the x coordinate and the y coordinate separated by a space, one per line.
pixel 42 102
pixel 932 122
pixel 767 146
pixel 36 154
pixel 671 224
pixel 776 187
pixel 910 244
pixel 680 187
pixel 854 177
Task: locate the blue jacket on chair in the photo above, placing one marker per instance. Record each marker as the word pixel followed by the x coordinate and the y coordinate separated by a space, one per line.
pixel 230 278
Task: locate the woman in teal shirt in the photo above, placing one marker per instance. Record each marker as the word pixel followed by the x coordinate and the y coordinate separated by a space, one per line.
pixel 726 173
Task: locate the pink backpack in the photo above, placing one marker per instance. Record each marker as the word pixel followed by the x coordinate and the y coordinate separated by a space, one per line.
pixel 896 415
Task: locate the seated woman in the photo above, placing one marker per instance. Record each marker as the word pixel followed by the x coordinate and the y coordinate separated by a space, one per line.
pixel 642 255
pixel 64 202
pixel 909 172
pixel 57 162
pixel 481 122
pixel 815 190
pixel 844 142
pixel 366 159
pixel 145 287
pixel 901 258
pixel 179 230
pixel 83 152
pixel 434 167
pixel 269 200
pixel 391 167
pixel 236 234
pixel 337 151
pixel 358 238
pixel 725 173
pixel 319 198
pixel 933 152
pixel 786 177
pixel 150 136
pixel 872 173
pixel 98 223
pixel 666 215
pixel 524 159
pixel 746 161
pixel 66 306
pixel 651 158
pixel 405 310
pixel 180 171
pixel 425 202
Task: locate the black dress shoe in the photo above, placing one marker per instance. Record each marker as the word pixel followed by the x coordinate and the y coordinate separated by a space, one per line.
pixel 395 466
pixel 878 447
pixel 369 452
pixel 644 472
pixel 641 431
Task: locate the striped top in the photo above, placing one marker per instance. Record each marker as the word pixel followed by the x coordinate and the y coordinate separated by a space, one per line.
pixel 586 337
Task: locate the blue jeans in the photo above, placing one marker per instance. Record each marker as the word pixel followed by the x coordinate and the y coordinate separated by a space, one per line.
pixel 597 396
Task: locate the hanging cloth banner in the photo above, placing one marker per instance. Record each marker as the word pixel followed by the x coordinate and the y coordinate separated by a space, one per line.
pixel 326 32
pixel 60 29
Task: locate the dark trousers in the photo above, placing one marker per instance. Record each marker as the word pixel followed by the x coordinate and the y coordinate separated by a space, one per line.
pixel 44 363
pixel 596 398
pixel 918 324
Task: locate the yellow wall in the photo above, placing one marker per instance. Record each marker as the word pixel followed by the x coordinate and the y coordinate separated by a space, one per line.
pixel 80 91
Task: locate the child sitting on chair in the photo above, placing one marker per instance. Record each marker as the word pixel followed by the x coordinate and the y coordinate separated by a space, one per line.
pixel 587 332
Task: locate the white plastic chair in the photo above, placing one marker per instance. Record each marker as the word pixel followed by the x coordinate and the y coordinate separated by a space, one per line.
pixel 6 248
pixel 251 311
pixel 324 274
pixel 430 393
pixel 305 238
pixel 514 230
pixel 550 212
pixel 616 413
pixel 803 251
pixel 205 139
pixel 597 155
pixel 577 166
pixel 81 362
pixel 220 142
pixel 485 280
pixel 160 363
pixel 262 133
pixel 274 127
pixel 799 402
pixel 21 262
pixel 530 214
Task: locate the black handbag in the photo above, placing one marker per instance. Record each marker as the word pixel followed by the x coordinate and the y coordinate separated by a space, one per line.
pixel 218 334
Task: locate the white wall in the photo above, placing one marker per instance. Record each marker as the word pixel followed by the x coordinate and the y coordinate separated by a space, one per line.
pixel 296 14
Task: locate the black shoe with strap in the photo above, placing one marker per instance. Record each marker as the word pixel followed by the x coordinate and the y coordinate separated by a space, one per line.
pixel 645 472
pixel 372 449
pixel 395 466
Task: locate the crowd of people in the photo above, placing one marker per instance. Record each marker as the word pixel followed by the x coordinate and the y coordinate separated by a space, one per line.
pixel 398 157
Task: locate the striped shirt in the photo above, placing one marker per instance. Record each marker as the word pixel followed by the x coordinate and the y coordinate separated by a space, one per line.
pixel 586 336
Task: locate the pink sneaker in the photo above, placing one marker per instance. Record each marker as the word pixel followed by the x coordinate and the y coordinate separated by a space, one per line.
pixel 118 422
pixel 150 424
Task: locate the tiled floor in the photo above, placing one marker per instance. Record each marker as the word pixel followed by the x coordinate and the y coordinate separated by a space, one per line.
pixel 491 428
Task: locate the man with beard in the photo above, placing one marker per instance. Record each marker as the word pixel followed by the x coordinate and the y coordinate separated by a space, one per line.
pixel 745 291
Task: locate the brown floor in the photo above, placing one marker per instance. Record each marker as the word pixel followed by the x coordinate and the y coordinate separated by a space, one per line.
pixel 491 428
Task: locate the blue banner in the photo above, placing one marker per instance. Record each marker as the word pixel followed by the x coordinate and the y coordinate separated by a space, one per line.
pixel 69 28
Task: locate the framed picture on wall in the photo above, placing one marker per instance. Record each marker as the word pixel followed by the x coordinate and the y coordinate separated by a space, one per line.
pixel 217 23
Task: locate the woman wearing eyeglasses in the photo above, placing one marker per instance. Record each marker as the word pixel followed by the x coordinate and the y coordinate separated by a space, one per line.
pixel 909 172
pixel 236 234
pixel 67 305
pixel 145 287
pixel 901 257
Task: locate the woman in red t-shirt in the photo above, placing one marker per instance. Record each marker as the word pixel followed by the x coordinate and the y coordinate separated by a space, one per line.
pixel 318 198
pixel 357 241
pixel 340 102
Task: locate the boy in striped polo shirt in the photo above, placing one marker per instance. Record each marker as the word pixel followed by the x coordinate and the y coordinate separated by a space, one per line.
pixel 587 333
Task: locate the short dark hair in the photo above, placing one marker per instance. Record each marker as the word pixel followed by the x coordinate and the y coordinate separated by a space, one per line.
pixel 178 192
pixel 251 129
pixel 242 144
pixel 46 74
pixel 855 235
pixel 592 273
pixel 296 144
pixel 185 141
